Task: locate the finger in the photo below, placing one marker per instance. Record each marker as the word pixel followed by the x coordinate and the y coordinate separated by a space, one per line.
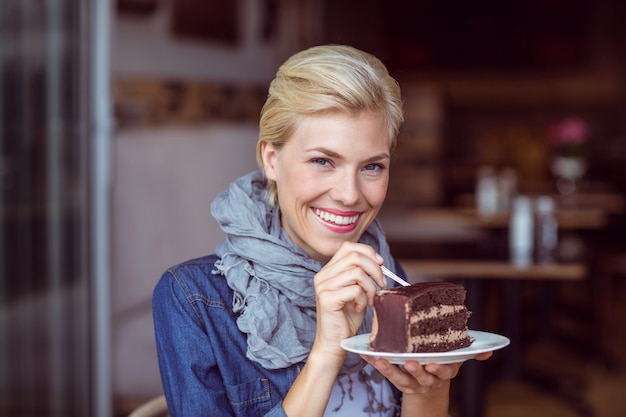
pixel 483 356
pixel 420 373
pixel 447 371
pixel 368 261
pixel 363 256
pixel 335 298
pixel 404 378
pixel 410 378
pixel 350 276
pixel 336 277
pixel 360 302
pixel 385 367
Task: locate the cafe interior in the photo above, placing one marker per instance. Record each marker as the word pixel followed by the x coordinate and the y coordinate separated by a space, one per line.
pixel 121 120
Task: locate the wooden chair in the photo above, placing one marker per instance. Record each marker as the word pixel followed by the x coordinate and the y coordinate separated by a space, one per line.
pixel 156 407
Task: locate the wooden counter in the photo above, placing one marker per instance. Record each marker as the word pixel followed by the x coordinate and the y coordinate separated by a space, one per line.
pixel 416 223
pixel 416 270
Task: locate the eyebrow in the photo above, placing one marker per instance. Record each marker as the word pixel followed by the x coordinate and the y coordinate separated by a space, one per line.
pixel 334 154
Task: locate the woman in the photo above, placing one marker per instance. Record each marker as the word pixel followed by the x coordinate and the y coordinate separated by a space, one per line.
pixel 255 329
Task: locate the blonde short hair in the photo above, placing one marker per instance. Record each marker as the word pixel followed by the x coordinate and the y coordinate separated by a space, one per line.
pixel 328 78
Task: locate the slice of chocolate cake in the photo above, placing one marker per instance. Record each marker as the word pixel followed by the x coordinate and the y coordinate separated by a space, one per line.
pixel 423 317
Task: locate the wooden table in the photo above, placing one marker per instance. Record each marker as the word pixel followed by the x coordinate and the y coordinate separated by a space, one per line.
pixel 416 270
pixel 445 222
pixel 473 273
pixel 608 201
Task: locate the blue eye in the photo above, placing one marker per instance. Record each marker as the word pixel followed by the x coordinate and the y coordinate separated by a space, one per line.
pixel 321 161
pixel 374 167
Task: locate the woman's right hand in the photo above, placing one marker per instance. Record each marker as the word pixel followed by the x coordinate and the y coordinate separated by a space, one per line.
pixel 344 288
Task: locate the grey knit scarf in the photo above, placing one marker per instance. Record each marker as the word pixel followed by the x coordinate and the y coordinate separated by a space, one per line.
pixel 272 278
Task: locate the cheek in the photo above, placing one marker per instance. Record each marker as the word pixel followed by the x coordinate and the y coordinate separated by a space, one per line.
pixel 375 194
pixel 303 186
pixel 295 191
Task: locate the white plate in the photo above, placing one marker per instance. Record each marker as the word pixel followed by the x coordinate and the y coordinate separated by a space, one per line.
pixel 483 342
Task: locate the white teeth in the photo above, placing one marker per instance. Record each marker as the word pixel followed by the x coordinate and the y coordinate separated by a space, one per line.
pixel 333 218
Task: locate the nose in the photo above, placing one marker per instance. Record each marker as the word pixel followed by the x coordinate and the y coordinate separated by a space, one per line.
pixel 346 189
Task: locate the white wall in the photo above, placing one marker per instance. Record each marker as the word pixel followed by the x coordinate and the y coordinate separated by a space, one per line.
pixel 164 180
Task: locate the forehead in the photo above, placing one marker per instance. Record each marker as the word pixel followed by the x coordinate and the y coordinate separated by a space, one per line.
pixel 337 125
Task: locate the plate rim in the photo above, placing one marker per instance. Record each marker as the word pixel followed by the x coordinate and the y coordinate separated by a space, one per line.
pixel 462 353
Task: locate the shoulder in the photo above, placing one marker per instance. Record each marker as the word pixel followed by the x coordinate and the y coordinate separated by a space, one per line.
pixel 198 267
pixel 195 281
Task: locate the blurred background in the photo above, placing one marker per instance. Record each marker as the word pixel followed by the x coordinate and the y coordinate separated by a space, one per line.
pixel 121 120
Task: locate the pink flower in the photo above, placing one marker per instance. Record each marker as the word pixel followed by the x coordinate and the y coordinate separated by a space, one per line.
pixel 570 131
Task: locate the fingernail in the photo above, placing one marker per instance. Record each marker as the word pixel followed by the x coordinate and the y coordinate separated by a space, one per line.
pixel 411 368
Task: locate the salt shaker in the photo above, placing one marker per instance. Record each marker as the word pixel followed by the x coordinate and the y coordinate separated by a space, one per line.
pixel 487 191
pixel 507 188
pixel 521 231
pixel 547 230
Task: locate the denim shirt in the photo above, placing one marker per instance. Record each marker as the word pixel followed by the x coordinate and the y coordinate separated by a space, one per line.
pixel 202 352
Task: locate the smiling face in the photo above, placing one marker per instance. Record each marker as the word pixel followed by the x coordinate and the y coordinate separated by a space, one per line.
pixel 331 176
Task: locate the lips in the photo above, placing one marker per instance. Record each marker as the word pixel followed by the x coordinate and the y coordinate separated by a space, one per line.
pixel 336 219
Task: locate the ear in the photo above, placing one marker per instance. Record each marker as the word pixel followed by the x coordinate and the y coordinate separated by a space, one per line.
pixel 269 155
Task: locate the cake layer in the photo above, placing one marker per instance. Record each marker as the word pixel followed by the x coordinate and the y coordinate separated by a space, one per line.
pixel 436 311
pixel 441 345
pixel 456 321
pixel 439 323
